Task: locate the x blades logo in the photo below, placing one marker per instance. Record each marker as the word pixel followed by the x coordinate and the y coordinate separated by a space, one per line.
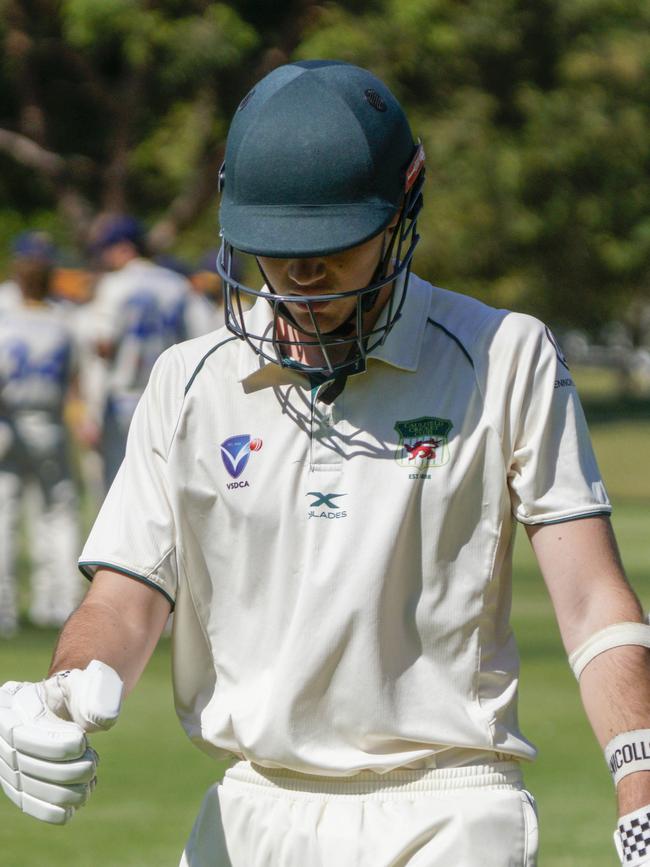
pixel 323 499
pixel 332 510
pixel 235 452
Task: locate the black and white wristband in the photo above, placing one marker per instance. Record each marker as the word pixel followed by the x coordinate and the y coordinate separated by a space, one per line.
pixel 632 838
pixel 627 753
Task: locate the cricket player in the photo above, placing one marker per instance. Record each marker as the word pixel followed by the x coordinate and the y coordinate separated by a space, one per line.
pixel 326 492
pixel 205 310
pixel 137 312
pixel 10 296
pixel 37 377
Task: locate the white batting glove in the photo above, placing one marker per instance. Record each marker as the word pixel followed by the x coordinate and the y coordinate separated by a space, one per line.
pixel 632 838
pixel 46 766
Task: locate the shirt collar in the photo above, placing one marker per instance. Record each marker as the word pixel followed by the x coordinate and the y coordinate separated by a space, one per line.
pixel 404 342
pixel 401 349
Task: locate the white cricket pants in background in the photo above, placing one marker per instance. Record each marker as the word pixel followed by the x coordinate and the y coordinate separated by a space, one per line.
pixel 476 816
pixel 34 453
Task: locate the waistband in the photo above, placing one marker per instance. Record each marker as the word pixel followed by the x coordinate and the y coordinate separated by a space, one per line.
pixel 392 785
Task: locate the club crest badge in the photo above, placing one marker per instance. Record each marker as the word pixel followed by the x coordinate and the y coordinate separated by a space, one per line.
pixel 235 452
pixel 423 442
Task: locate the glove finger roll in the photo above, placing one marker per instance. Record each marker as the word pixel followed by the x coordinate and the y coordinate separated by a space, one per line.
pixel 60 742
pixel 51 813
pixel 59 796
pixel 72 795
pixel 8 754
pixel 78 771
pixel 31 728
pixel 9 774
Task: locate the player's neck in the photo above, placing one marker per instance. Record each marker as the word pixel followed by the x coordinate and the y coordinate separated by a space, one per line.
pixel 302 347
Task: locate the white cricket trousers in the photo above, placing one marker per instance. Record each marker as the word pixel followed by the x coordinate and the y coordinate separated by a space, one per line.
pixel 476 816
pixel 33 452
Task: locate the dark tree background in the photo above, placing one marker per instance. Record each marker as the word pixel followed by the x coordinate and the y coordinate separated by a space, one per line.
pixel 535 115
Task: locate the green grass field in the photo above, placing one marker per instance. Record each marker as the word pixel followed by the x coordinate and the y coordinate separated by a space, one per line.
pixel 152 779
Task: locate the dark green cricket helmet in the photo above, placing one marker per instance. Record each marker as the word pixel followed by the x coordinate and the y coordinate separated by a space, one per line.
pixel 319 158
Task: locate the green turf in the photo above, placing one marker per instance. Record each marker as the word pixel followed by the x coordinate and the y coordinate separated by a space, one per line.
pixel 573 788
pixel 152 779
pixel 570 780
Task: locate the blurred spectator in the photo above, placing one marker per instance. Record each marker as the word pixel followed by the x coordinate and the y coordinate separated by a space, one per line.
pixel 10 296
pixel 37 376
pixel 137 312
pixel 205 311
pixel 34 245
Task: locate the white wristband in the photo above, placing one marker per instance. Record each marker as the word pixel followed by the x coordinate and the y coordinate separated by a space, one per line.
pixel 615 635
pixel 627 753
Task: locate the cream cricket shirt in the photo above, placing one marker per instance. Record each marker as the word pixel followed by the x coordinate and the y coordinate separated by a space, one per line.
pixel 342 573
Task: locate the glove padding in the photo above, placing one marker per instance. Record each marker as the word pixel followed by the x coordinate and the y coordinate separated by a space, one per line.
pixel 632 838
pixel 46 766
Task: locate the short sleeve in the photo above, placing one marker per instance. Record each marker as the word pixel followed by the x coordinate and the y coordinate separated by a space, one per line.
pixel 553 474
pixel 105 309
pixel 135 531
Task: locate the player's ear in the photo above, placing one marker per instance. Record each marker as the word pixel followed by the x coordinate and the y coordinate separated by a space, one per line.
pixel 390 228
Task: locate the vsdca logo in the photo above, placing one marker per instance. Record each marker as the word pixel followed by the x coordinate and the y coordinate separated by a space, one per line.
pixel 235 452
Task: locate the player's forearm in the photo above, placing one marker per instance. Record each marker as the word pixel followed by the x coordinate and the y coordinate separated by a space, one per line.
pixel 119 623
pixel 615 689
pixel 615 685
pixel 583 571
pixel 95 632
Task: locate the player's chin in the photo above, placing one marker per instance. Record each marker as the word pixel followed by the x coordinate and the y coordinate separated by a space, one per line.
pixel 320 320
pixel 331 332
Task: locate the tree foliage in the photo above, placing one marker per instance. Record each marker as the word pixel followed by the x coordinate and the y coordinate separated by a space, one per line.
pixel 123 104
pixel 535 116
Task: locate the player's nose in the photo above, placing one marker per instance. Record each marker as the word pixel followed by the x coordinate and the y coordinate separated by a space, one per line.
pixel 306 272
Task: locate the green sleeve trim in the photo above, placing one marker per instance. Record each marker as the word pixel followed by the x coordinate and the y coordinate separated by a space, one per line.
pixel 453 337
pixel 199 366
pixel 85 571
pixel 605 511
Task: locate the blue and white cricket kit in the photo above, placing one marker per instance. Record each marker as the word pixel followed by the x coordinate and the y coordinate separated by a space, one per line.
pixel 140 309
pixel 202 315
pixel 342 571
pixel 37 360
pixel 10 296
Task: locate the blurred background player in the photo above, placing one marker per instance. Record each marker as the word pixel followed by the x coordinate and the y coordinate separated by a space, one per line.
pixel 37 378
pixel 137 312
pixel 10 295
pixel 205 312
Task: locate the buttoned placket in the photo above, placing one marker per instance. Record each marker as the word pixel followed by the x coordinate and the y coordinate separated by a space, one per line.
pixel 325 452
